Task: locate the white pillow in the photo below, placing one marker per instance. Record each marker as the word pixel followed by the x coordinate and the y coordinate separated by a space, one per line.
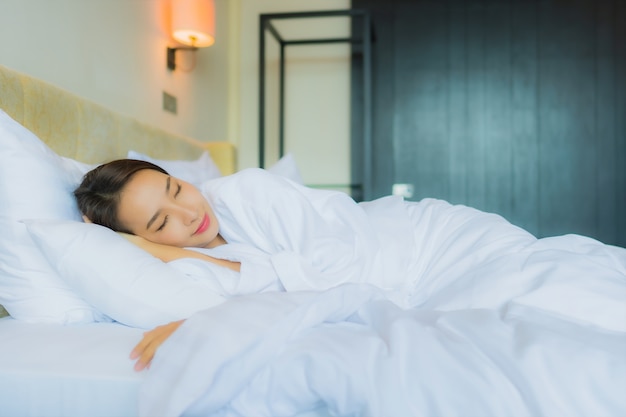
pixel 194 172
pixel 34 183
pixel 287 167
pixel 204 168
pixel 119 279
pixel 76 169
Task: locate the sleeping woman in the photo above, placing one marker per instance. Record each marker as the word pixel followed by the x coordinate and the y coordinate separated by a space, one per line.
pixel 279 235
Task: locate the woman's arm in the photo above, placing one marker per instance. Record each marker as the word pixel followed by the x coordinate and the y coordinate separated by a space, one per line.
pixel 168 253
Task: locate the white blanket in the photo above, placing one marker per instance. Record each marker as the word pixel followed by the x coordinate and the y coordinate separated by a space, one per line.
pixel 481 320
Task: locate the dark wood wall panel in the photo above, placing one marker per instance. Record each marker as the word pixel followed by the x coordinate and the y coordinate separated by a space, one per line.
pixel 524 115
pixel 515 107
pixel 476 81
pixel 619 83
pixel 566 118
pixel 457 93
pixel 420 104
pixel 496 115
pixel 605 127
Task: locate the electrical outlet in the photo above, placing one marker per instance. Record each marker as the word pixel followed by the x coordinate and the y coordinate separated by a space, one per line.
pixel 404 190
pixel 169 102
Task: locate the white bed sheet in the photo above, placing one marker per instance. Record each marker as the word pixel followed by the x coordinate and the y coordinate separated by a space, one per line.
pixel 51 370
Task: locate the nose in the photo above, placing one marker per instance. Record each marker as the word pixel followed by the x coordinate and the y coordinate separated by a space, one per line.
pixel 187 214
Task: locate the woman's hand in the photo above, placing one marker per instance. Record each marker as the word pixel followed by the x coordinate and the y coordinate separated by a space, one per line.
pixel 145 350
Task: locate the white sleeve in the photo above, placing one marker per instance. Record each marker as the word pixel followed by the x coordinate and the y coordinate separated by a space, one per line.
pixel 317 239
pixel 256 273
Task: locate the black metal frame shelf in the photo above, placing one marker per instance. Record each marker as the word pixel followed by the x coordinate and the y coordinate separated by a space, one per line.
pixel 361 37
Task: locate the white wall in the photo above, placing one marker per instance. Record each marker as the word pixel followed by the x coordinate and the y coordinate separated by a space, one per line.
pixel 113 52
pixel 317 85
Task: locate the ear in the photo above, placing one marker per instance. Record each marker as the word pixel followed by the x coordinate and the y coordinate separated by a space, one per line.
pixel 86 219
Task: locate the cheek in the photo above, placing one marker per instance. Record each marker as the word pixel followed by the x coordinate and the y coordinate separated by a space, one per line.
pixel 196 199
pixel 172 235
pixel 193 195
pixel 176 232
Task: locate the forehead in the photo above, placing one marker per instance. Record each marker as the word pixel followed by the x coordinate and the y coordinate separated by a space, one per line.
pixel 146 178
pixel 143 192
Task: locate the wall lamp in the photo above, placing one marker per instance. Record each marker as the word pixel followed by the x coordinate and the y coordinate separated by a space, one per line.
pixel 193 25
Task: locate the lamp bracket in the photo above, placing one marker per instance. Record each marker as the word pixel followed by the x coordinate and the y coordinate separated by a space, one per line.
pixel 171 55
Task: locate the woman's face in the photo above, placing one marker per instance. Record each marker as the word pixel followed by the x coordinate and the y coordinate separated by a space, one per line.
pixel 167 210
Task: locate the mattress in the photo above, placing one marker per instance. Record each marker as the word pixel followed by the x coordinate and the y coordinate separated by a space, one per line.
pixel 80 370
pixel 50 370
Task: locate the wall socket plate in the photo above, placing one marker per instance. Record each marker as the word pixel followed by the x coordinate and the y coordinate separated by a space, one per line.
pixel 404 190
pixel 169 102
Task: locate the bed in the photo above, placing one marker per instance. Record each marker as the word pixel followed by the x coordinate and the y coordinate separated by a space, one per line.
pixel 493 322
pixel 53 363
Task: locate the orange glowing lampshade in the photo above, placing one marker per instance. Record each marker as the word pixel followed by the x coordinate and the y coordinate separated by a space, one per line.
pixel 193 22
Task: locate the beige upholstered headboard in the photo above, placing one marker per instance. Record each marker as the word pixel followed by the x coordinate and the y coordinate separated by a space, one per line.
pixel 82 130
pixel 85 131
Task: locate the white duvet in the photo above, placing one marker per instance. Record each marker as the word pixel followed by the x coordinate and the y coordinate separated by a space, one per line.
pixel 394 309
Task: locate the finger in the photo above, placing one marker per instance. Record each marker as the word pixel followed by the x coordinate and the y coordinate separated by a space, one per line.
pixel 145 357
pixel 141 346
pixel 143 362
pixel 146 349
pixel 148 346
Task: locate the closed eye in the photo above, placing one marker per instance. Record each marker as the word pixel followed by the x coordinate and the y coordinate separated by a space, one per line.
pixel 163 224
pixel 178 188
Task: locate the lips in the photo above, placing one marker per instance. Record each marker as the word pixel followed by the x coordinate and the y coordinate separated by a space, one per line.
pixel 204 225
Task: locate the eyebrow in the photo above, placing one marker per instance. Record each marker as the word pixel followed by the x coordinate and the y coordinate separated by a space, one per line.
pixel 156 215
